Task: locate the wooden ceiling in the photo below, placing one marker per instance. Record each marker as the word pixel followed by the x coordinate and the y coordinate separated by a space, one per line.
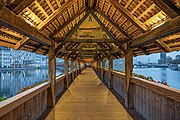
pixel 143 26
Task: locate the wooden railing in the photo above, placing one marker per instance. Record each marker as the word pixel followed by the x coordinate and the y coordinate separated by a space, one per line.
pixel 153 101
pixel 30 104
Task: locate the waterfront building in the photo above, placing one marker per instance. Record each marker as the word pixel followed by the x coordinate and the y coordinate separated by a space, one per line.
pixel 162 59
pixel 5 57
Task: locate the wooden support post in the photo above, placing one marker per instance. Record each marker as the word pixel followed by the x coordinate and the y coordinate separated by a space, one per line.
pixel 72 69
pixel 51 78
pixel 66 71
pixel 110 71
pixel 103 67
pixel 99 67
pixel 128 74
pixel 76 68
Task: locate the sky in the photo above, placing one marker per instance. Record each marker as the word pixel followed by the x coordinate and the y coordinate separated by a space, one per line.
pixel 155 57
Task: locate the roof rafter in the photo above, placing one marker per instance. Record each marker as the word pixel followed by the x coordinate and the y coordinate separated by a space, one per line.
pixel 20 43
pixel 168 28
pixel 114 24
pixel 56 14
pixel 128 15
pixel 163 46
pixel 12 21
pixel 166 6
pixel 22 6
pixel 68 21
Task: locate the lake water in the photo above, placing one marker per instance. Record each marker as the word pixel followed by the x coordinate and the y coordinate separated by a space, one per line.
pixel 172 77
pixel 12 82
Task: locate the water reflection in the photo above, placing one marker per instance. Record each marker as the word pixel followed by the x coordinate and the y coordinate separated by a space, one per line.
pixel 13 81
pixel 172 77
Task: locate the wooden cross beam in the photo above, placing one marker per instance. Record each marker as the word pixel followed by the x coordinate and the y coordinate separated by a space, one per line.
pixel 12 21
pixel 81 50
pixel 114 24
pixel 108 33
pixel 91 40
pixel 143 50
pixel 61 27
pixel 20 43
pixel 168 28
pixel 168 7
pixel 163 46
pixel 37 48
pixel 128 15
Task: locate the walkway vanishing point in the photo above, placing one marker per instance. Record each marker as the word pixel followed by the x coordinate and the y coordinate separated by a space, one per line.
pixel 88 99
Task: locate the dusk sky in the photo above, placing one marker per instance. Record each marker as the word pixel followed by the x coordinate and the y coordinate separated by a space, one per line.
pixel 155 57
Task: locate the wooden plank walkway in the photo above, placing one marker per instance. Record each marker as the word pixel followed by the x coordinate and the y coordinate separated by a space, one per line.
pixel 88 99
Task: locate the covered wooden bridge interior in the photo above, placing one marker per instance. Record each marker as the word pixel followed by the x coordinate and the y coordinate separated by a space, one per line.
pixel 91 31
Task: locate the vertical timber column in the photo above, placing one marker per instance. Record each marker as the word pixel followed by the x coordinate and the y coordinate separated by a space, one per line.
pixel 66 71
pixel 103 68
pixel 76 68
pixel 51 77
pixel 110 71
pixel 72 69
pixel 128 74
pixel 99 67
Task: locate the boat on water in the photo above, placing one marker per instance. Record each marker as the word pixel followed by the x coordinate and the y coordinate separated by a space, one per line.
pixel 174 66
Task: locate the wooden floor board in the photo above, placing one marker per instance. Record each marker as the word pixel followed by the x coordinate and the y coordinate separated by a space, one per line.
pixel 88 99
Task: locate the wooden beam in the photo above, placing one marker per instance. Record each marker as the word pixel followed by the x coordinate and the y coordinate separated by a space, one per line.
pixel 61 27
pixel 20 43
pixel 51 78
pixel 167 7
pixel 168 28
pixel 128 74
pixel 81 50
pixel 12 21
pixel 128 15
pixel 55 15
pixel 89 40
pixel 2 4
pixel 163 46
pixel 22 6
pixel 37 48
pixel 77 26
pixel 114 24
pixel 110 83
pixel 50 5
pixel 91 3
pixel 40 7
pixel 108 33
pixel 143 50
pixel 66 72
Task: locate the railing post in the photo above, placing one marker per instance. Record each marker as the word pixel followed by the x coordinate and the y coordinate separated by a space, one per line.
pixel 72 69
pixel 110 71
pixel 128 74
pixel 103 67
pixel 66 72
pixel 51 77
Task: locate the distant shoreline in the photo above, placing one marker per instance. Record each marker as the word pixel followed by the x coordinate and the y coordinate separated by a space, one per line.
pixel 11 69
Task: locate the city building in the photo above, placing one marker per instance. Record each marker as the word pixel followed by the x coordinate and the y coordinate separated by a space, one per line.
pixel 162 59
pixel 5 57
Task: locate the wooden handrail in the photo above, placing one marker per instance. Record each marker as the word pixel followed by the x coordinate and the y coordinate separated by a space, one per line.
pixel 158 88
pixel 15 101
